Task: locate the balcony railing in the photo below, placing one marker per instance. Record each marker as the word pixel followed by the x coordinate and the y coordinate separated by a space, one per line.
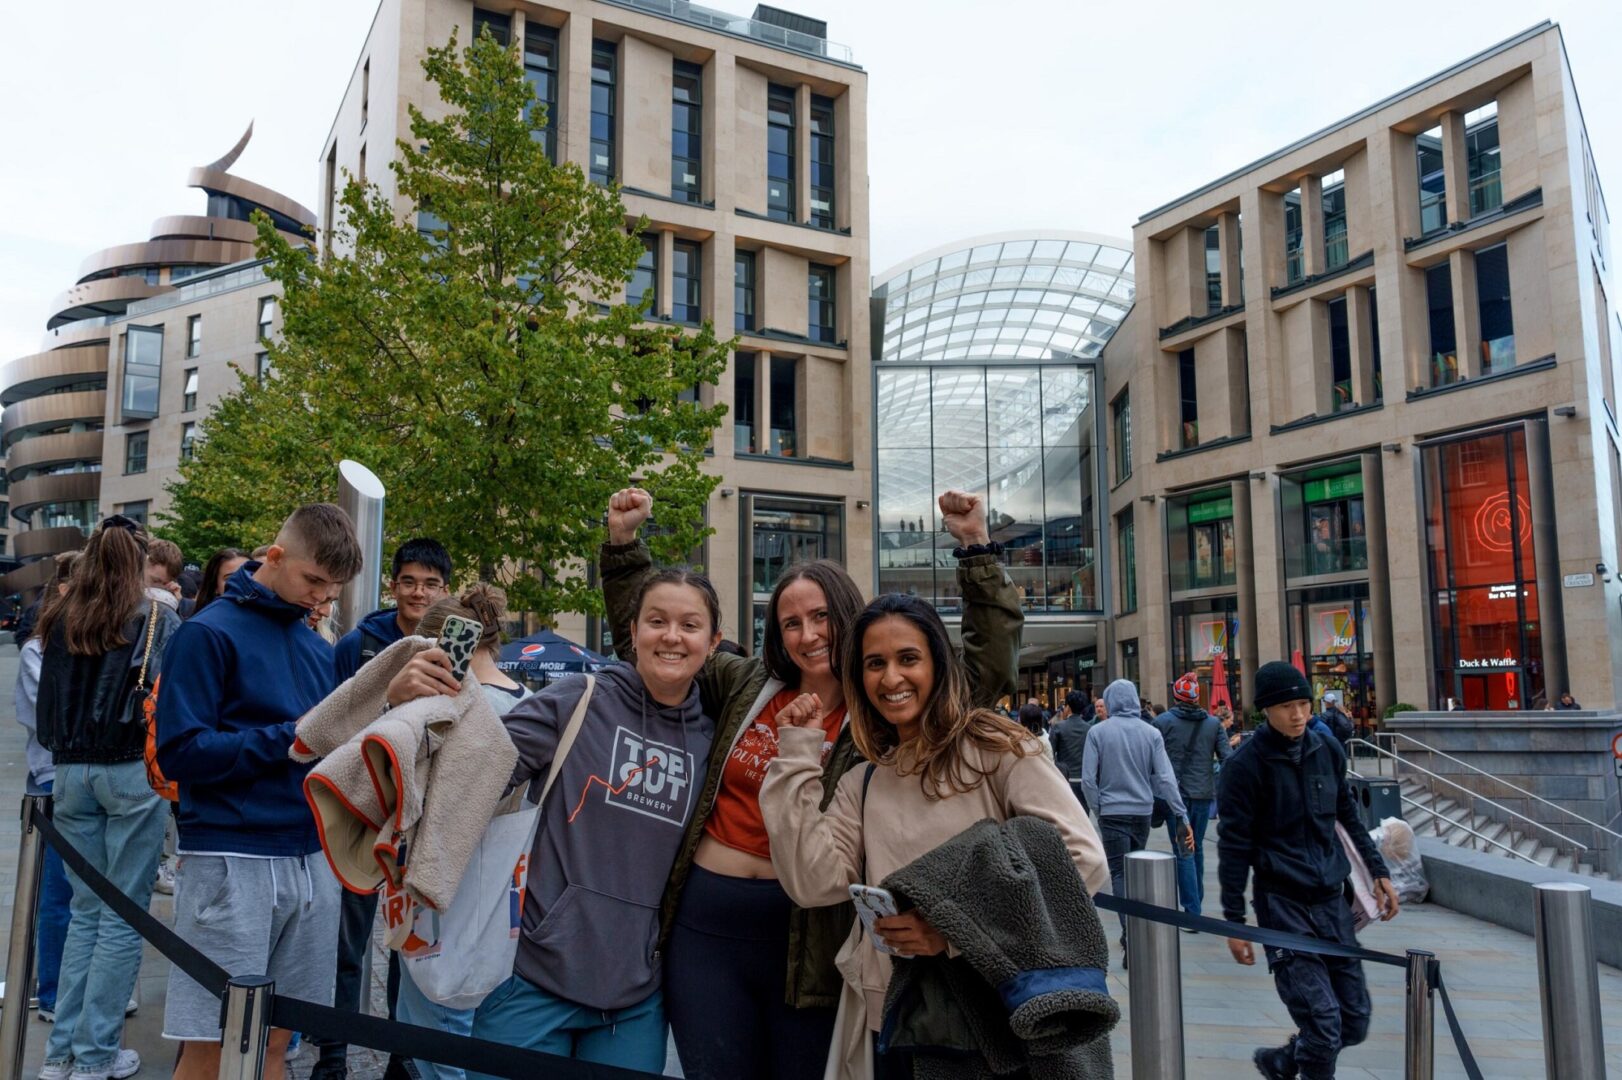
pixel 1486 193
pixel 1498 354
pixel 1432 211
pixel 1338 556
pixel 1337 247
pixel 782 37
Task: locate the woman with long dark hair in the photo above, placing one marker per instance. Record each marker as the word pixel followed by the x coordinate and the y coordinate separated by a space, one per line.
pixel 750 982
pixel 218 569
pixel 939 765
pixel 102 643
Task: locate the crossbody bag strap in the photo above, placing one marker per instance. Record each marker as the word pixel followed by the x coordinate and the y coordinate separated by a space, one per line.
pixel 566 741
pixel 867 778
pixel 146 657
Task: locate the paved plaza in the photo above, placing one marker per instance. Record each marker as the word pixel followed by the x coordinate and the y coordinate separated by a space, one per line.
pixel 1228 1010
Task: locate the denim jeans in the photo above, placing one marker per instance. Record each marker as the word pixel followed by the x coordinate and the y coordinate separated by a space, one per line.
pixel 1191 866
pixel 519 1013
pixel 51 928
pixel 1122 835
pixel 114 819
pixel 413 1007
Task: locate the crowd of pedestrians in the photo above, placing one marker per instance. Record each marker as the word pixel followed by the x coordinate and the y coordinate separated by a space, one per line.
pixel 820 860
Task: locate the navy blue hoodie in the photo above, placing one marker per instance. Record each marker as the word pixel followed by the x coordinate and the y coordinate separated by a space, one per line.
pixel 236 678
pixel 380 625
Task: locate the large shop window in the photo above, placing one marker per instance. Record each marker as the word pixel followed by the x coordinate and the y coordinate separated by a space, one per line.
pixel 1329 640
pixel 1204 554
pixel 1323 516
pixel 1205 640
pixel 781 534
pixel 1484 605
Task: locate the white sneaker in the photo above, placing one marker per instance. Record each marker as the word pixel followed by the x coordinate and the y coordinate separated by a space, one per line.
pixel 166 878
pixel 132 1008
pixel 126 1064
pixel 56 1070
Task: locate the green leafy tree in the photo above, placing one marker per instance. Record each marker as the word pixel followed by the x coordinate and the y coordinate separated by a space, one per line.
pixel 476 357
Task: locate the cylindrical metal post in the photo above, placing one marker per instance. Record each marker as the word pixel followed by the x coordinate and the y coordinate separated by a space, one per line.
pixel 1154 968
pixel 1419 1027
pixel 1568 982
pixel 247 1025
pixel 20 958
pixel 360 495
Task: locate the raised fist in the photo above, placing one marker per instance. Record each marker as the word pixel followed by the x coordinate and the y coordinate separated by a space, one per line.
pixel 628 508
pixel 804 711
pixel 965 516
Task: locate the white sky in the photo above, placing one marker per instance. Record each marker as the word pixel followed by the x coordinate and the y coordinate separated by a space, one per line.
pixel 982 117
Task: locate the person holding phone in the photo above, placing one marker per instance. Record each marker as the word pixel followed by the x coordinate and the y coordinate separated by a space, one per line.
pixel 939 764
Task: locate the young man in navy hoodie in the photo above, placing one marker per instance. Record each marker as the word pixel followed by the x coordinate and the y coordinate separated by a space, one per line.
pixel 420 576
pixel 245 669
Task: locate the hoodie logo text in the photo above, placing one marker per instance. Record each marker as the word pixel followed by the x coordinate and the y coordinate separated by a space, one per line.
pixel 650 777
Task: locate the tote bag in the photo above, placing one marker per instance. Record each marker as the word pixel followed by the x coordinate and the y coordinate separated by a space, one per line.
pixel 458 955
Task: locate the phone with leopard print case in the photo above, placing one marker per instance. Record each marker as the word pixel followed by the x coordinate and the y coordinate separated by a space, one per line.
pixel 460 640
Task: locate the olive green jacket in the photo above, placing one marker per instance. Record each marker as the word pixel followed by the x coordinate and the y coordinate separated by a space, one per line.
pixel 734 689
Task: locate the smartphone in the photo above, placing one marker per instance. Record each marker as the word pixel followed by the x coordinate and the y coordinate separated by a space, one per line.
pixel 873 904
pixel 460 640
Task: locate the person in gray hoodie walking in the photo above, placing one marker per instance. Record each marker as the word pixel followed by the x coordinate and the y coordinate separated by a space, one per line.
pixel 1124 769
pixel 1194 740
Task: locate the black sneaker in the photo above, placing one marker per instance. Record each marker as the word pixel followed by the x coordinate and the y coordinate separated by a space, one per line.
pixel 330 1069
pixel 1275 1062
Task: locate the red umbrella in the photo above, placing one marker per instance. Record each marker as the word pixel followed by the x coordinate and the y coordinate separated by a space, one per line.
pixel 1219 682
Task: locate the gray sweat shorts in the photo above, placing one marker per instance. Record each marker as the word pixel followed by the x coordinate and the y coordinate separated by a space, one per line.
pixel 271 917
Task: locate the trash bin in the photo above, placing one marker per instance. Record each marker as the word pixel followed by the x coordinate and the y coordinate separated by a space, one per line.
pixel 1376 799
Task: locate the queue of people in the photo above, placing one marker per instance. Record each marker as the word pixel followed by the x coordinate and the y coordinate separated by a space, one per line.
pixel 753 853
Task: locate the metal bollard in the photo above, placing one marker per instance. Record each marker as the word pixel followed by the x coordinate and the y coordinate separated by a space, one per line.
pixel 20 958
pixel 247 1026
pixel 1419 1028
pixel 1154 965
pixel 1568 982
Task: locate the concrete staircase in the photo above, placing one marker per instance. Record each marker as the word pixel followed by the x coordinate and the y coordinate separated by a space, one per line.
pixel 1451 821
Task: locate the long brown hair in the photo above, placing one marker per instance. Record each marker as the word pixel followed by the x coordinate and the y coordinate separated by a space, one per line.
pixel 951 721
pixel 481 602
pixel 208 590
pixel 106 590
pixel 54 591
pixel 844 602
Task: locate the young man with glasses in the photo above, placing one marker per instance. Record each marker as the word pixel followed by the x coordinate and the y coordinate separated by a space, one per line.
pixel 420 576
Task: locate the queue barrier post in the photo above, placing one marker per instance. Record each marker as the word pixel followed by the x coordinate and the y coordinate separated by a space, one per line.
pixel 20 957
pixel 1419 1018
pixel 246 1028
pixel 1154 968
pixel 1568 982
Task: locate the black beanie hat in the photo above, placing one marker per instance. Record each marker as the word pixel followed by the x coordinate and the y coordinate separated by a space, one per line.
pixel 1278 682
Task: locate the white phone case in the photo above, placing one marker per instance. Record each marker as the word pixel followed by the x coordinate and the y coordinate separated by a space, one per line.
pixel 873 904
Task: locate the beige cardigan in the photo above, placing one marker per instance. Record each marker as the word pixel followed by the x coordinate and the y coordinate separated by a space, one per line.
pixel 819 855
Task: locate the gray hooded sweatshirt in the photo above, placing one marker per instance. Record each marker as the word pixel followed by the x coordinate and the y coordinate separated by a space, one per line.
pixel 609 833
pixel 1125 767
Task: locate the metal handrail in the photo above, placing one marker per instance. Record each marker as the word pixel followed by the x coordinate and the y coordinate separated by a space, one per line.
pixel 1577 844
pixel 1495 779
pixel 1416 804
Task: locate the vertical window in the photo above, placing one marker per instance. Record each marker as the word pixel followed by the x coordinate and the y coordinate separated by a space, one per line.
pixel 1213 268
pixel 645 278
pixel 189 400
pixel 686 278
pixel 1293 269
pixel 785 407
pixel 365 91
pixel 541 69
pixel 1129 660
pixel 1497 320
pixel 1374 344
pixel 822 162
pixel 135 453
pixel 328 221
pixel 744 428
pixel 1444 346
pixel 1336 247
pixel 1481 151
pixel 194 336
pixel 781 203
pixel 188 440
pixel 1126 534
pixel 821 315
pixel 604 62
pixel 1340 355
pixel 360 170
pixel 136 511
pixel 267 316
pixel 261 367
pixel 498 23
pixel 1121 417
pixel 687 133
pixel 143 365
pixel 1188 400
pixel 743 290
pixel 1432 182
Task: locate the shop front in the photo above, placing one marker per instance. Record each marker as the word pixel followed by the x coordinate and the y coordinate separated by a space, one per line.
pixel 1203 570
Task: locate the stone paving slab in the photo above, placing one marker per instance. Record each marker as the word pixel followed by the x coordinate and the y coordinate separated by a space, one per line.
pixel 1228 1010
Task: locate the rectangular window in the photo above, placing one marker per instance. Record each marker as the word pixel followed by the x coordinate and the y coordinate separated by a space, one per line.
pixel 744 428
pixel 781 202
pixel 743 290
pixel 365 91
pixel 136 511
pixel 267 316
pixel 194 336
pixel 1432 182
pixel 188 440
pixel 686 281
pixel 1213 269
pixel 1444 346
pixel 135 453
pixel 822 162
pixel 1121 418
pixel 785 407
pixel 498 23
pixel 604 64
pixel 1126 533
pixel 1293 268
pixel 1481 151
pixel 1340 355
pixel 822 321
pixel 645 278
pixel 1129 660
pixel 261 367
pixel 1374 344
pixel 687 133
pixel 189 400
pixel 360 171
pixel 1336 252
pixel 1497 320
pixel 143 366
pixel 1188 399
pixel 541 69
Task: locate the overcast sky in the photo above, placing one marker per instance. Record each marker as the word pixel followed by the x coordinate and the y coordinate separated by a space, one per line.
pixel 982 117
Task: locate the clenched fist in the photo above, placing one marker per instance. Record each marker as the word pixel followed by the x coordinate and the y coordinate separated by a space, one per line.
pixel 628 508
pixel 804 711
pixel 965 516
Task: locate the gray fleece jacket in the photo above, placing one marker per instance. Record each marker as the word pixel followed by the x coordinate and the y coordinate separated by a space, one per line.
pixel 609 833
pixel 1125 767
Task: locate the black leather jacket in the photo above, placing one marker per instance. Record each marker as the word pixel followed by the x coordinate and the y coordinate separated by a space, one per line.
pixel 82 699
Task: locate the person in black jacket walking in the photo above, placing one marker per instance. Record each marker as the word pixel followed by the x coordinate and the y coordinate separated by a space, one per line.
pixel 1069 739
pixel 1282 793
pixel 1195 741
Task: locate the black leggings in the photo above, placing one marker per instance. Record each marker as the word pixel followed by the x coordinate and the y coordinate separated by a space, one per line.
pixel 726 967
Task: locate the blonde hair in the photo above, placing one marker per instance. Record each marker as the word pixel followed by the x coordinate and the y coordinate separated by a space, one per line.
pixel 482 603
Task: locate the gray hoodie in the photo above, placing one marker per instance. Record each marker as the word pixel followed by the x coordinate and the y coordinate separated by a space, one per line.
pixel 1125 765
pixel 609 833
